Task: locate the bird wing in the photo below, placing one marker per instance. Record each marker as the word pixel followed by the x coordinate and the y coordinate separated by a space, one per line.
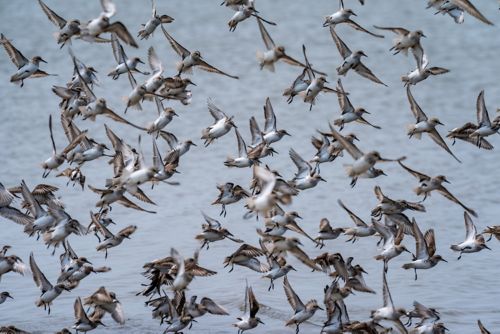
pixel 122 32
pixel 470 228
pixel 216 113
pixel 14 54
pixel 418 53
pixel 100 227
pixel 181 51
pixel 365 72
pixel 212 307
pixel 430 242
pixel 341 46
pixel 39 278
pixel 385 292
pixel 396 30
pixel 80 314
pixel 349 147
pixel 436 137
pixel 482 328
pixel 358 221
pixel 292 297
pixel 420 176
pixel 469 8
pixel 308 68
pixel 52 16
pixel 242 149
pixel 212 223
pixel 360 28
pixel 270 123
pixel 304 258
pixel 415 108
pixel 203 65
pixel 34 207
pixel 252 303
pixel 324 226
pixel 118 51
pixel 303 166
pixel 15 215
pixel 443 191
pixel 154 62
pixel 268 41
pixel 118 315
pixel 421 246
pixel 344 102
pixel 483 118
pixel 129 204
pixel 255 131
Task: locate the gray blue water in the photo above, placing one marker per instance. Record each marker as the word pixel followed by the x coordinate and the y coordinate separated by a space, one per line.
pixel 463 291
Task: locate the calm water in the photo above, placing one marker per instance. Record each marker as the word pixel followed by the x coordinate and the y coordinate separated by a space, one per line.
pixel 462 291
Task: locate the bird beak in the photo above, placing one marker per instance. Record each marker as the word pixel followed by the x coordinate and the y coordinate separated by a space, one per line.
pixel 261 322
pixel 486 246
pixel 140 61
pixel 367 112
pixel 192 83
pixel 444 260
pixel 322 179
pixel 87 261
pixel 321 308
pixel 445 180
pixel 9 296
pixel 193 144
pixel 424 36
pixel 439 122
pixel 352 13
pixel 292 268
pixel 364 54
pixel 43 61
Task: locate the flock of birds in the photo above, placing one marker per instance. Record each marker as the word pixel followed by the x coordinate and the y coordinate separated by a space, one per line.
pixel 43 214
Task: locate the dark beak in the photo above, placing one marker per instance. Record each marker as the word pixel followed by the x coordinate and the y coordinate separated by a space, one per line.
pixel 261 322
pixel 444 260
pixel 322 179
pixel 140 61
pixel 43 61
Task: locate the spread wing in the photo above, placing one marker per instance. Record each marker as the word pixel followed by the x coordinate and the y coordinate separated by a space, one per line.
pixel 242 149
pixel 358 221
pixel 53 17
pixel 396 30
pixel 292 297
pixel 122 32
pixel 348 146
pixel 341 46
pixel 203 65
pixel 420 176
pixel 14 54
pixel 469 8
pixel 436 137
pixel 15 215
pixel 430 241
pixel 365 72
pixel 482 114
pixel 181 51
pixel 268 41
pixel 344 102
pixel 39 278
pixel 470 228
pixel 360 28
pixel 270 124
pixel 421 250
pixel 216 113
pixel 415 108
pixel 212 307
pixel 303 166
